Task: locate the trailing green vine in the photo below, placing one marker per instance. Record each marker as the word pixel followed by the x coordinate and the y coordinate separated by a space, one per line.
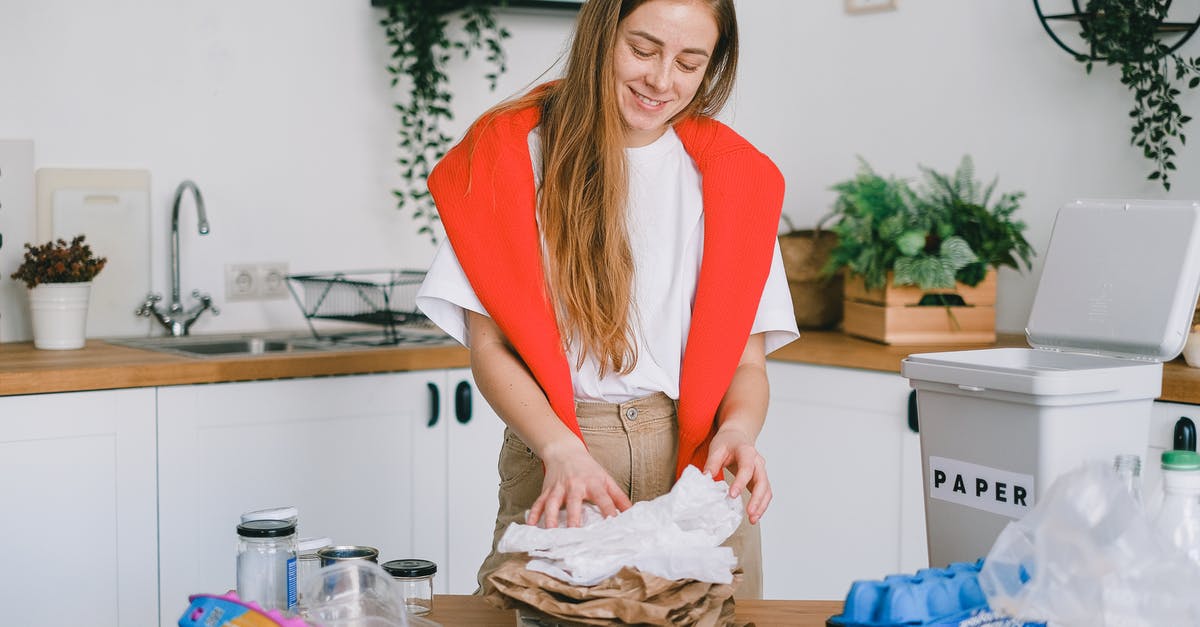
pixel 421 47
pixel 1125 33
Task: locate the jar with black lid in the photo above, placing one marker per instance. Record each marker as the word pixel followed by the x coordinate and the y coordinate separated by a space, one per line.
pixel 266 564
pixel 416 582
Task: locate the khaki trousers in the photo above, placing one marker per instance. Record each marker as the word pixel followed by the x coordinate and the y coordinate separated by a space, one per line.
pixel 637 442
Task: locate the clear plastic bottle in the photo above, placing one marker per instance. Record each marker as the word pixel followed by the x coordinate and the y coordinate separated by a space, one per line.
pixel 1129 469
pixel 1179 516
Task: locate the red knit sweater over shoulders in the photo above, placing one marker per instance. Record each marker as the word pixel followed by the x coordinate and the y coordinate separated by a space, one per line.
pixel 484 191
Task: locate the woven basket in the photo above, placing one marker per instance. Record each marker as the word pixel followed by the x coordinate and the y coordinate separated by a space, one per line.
pixel 816 298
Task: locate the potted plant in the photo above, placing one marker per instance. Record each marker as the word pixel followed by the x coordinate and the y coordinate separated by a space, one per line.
pixel 59 277
pixel 816 295
pixel 921 260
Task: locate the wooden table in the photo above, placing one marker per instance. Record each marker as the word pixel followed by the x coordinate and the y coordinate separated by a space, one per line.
pixel 454 610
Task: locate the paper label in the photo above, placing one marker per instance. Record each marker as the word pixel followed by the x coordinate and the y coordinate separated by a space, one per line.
pixel 291 583
pixel 980 487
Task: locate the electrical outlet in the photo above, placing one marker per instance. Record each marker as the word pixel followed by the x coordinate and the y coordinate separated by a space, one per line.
pixel 272 281
pixel 869 6
pixel 241 282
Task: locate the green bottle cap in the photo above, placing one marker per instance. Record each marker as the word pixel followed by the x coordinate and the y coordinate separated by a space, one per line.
pixel 1180 460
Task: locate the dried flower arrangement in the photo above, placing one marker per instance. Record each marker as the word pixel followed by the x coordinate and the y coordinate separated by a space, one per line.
pixel 59 262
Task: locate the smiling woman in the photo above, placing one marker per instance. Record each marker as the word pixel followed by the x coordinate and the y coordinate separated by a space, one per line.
pixel 660 60
pixel 615 352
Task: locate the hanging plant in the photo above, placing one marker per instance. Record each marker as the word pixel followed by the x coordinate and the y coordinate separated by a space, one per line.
pixel 1126 33
pixel 421 47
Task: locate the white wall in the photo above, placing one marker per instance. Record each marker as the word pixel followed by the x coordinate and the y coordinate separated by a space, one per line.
pixel 281 111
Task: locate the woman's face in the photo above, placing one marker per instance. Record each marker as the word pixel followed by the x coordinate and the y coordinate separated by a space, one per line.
pixel 663 49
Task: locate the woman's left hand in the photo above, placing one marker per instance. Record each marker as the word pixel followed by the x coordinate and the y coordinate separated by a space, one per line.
pixel 734 449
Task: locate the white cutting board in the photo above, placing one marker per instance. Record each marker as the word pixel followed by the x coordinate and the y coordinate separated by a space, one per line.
pixel 112 208
pixel 17 226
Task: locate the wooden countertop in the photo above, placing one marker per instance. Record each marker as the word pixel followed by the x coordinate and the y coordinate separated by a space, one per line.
pixel 100 365
pixel 465 610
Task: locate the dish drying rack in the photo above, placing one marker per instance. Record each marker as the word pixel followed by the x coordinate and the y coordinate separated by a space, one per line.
pixel 385 299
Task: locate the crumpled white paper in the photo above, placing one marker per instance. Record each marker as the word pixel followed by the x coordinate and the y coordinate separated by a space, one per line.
pixel 675 536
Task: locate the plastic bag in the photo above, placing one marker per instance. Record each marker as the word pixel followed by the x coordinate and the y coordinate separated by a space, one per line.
pixel 1088 555
pixel 675 536
pixel 356 594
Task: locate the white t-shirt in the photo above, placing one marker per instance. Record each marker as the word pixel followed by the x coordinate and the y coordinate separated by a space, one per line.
pixel 666 227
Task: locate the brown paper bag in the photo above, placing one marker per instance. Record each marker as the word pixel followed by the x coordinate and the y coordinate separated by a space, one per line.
pixel 630 597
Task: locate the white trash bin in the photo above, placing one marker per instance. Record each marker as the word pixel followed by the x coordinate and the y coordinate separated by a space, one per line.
pixel 1115 299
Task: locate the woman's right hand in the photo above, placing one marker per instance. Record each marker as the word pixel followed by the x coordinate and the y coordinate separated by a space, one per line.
pixel 573 477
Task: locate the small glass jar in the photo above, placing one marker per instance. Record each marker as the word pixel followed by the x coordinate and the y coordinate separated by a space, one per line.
pixel 266 564
pixel 307 560
pixel 416 583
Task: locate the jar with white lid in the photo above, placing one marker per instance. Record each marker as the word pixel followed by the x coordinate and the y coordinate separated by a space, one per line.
pixel 266 564
pixel 415 578
pixel 307 560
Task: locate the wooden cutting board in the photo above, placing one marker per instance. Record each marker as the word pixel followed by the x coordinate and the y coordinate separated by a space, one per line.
pixel 112 208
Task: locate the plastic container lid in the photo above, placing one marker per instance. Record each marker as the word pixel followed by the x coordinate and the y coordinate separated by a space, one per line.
pixel 410 568
pixel 312 545
pixel 288 513
pixel 266 529
pixel 1180 460
pixel 1120 279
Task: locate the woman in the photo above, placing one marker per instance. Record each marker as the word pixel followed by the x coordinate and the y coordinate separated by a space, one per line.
pixel 613 268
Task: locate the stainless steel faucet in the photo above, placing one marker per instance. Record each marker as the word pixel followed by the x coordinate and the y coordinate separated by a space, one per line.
pixel 175 319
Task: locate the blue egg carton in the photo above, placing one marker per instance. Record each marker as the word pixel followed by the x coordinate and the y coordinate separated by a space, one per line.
pixel 933 597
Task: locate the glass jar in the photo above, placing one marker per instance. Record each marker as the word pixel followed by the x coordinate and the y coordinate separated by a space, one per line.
pixel 333 554
pixel 307 560
pixel 266 564
pixel 415 578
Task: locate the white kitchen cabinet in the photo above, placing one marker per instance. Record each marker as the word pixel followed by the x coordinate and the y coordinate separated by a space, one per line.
pixel 77 487
pixel 1162 434
pixel 846 476
pixel 340 449
pixel 455 453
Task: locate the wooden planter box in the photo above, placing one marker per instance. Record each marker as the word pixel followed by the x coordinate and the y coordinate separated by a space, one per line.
pixel 891 315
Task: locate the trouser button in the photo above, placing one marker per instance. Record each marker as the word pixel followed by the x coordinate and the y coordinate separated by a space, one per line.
pixel 631 413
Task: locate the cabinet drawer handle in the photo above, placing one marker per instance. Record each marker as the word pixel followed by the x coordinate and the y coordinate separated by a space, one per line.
pixel 913 425
pixel 434 404
pixel 1185 434
pixel 462 402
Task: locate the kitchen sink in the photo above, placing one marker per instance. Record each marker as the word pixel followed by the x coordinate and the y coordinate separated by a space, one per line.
pixel 275 343
pixel 231 345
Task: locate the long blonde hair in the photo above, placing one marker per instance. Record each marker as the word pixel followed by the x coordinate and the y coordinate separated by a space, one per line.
pixel 582 200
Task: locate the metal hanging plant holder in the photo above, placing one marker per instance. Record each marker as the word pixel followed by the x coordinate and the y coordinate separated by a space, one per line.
pixel 1167 28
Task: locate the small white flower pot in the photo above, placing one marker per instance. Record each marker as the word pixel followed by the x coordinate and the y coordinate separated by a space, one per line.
pixel 1191 350
pixel 59 315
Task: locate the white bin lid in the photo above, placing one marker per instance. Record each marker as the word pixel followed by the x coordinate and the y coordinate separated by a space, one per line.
pixel 1120 278
pixel 1115 299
